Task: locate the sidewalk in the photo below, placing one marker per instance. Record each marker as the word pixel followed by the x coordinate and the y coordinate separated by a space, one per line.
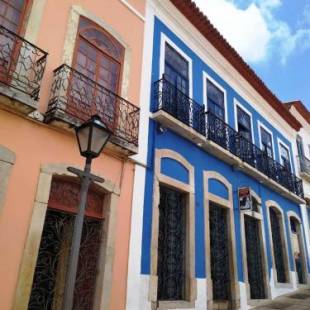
pixel 298 300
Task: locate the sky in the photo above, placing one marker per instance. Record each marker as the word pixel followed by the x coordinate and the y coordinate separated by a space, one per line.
pixel 272 36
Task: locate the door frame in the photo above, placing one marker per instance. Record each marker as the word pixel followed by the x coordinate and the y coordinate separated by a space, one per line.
pixel 33 239
pixel 301 241
pixel 189 190
pixel 228 204
pixel 259 217
pixel 272 204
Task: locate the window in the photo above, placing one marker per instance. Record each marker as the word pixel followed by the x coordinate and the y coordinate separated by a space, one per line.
pixel 300 147
pixel 11 14
pixel 215 100
pixel 266 141
pixel 285 157
pixel 98 55
pixel 176 69
pixel 244 124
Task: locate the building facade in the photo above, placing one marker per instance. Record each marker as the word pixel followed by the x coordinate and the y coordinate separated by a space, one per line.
pixel 60 63
pixel 302 145
pixel 215 140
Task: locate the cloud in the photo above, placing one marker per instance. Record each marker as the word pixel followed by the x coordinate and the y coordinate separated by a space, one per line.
pixel 254 31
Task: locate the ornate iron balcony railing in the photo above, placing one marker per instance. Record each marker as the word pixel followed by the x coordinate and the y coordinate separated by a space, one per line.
pixel 171 100
pixel 78 97
pixel 22 64
pixel 304 164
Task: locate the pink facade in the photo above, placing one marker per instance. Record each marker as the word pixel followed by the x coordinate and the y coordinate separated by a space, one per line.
pixel 35 150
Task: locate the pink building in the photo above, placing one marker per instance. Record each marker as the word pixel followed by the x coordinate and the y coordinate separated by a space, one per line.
pixel 60 63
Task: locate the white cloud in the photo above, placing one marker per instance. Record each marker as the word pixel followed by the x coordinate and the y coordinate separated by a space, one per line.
pixel 254 31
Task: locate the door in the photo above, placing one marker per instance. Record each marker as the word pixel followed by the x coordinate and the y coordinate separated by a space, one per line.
pixel 278 242
pixel 50 272
pixel 171 245
pixel 254 258
pixel 220 269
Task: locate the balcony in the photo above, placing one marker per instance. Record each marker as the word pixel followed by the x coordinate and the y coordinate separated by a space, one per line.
pixel 75 98
pixel 22 65
pixel 174 110
pixel 304 165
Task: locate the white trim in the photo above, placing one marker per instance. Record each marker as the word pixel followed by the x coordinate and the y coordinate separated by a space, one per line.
pixel 237 103
pixel 133 10
pixel 163 40
pixel 205 77
pixel 260 125
pixel 280 142
pixel 182 28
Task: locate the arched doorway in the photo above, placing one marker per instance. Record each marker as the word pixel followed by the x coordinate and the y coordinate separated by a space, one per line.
pixel 278 244
pixel 51 265
pixel 221 266
pixel 298 249
pixel 254 254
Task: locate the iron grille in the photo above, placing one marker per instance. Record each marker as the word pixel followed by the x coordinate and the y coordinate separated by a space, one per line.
pixel 50 272
pixel 277 246
pixel 254 258
pixel 171 245
pixel 22 64
pixel 79 97
pixel 171 100
pixel 220 271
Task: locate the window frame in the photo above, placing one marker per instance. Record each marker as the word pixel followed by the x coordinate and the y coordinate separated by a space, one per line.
pixel 205 78
pixel 245 110
pixel 79 37
pixel 165 40
pixel 282 144
pixel 260 127
pixel 24 12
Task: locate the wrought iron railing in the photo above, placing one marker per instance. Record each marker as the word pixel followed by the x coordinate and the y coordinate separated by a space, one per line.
pixel 179 105
pixel 79 97
pixel 304 163
pixel 22 64
pixel 171 100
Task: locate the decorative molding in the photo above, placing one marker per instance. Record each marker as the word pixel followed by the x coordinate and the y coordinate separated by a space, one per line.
pixel 272 204
pixel 259 217
pixel 70 39
pixel 301 243
pixel 191 286
pixel 225 203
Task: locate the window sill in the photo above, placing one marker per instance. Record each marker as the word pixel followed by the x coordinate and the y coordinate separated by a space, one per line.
pixel 177 304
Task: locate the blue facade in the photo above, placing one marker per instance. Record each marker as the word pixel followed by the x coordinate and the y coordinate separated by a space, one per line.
pixel 203 161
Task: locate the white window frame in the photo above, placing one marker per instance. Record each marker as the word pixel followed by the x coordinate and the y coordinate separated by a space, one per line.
pixel 205 77
pixel 280 142
pixel 238 104
pixel 260 126
pixel 163 40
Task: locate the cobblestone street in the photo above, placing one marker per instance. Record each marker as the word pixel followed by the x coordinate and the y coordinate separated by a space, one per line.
pixel 299 300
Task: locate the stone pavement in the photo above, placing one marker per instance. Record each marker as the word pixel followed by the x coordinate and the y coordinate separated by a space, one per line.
pixel 298 300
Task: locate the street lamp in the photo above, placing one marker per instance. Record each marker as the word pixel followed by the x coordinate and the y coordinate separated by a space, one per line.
pixel 92 136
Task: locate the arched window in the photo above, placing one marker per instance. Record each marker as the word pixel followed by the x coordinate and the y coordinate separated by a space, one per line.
pixel 98 55
pixel 12 13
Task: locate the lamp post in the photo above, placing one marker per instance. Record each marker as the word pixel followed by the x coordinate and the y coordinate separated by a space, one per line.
pixel 92 136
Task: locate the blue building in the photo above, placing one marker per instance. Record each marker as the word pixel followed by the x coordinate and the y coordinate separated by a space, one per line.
pixel 216 220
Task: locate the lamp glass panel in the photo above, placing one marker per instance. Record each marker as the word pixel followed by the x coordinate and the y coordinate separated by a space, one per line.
pixel 99 139
pixel 83 137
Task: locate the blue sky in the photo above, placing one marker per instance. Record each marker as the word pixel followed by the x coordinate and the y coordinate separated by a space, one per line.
pixel 273 36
